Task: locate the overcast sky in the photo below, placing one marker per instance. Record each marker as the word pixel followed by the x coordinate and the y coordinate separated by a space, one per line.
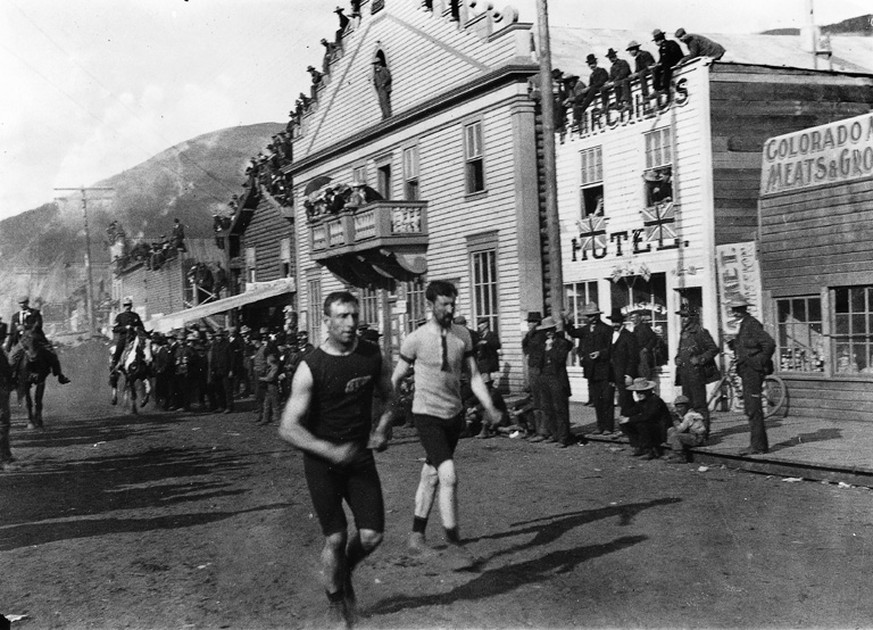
pixel 91 87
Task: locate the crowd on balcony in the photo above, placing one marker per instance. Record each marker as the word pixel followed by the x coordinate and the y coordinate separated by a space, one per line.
pixel 572 96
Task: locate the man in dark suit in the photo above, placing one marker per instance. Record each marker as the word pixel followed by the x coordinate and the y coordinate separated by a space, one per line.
pixel 555 384
pixel 624 359
pixel 669 54
pixel 126 321
pixel 4 332
pixel 595 342
pixel 30 319
pixel 753 348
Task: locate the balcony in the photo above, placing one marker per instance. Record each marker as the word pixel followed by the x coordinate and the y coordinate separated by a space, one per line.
pixel 380 240
pixel 379 224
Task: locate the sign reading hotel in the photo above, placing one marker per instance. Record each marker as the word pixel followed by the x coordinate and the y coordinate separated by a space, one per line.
pixel 832 153
pixel 739 276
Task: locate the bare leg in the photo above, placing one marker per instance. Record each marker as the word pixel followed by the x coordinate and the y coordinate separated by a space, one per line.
pixel 448 494
pixel 426 492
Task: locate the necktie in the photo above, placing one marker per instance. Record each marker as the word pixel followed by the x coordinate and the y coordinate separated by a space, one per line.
pixel 445 366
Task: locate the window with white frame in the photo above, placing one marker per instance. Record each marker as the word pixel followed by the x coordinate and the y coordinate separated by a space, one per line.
pixel 800 342
pixel 483 273
pixel 251 264
pixel 383 179
pixel 410 173
pixel 853 329
pixel 474 158
pixel 416 304
pixel 658 175
pixel 369 299
pixel 359 174
pixel 591 189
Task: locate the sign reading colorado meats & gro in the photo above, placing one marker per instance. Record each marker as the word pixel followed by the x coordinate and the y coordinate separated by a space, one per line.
pixel 835 152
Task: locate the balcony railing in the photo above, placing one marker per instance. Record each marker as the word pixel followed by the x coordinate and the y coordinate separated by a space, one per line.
pixel 379 224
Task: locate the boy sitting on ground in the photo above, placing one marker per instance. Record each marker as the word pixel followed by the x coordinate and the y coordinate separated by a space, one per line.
pixel 688 430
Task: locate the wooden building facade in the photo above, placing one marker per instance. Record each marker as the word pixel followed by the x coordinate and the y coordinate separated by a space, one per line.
pixel 443 172
pixel 816 230
pixel 650 197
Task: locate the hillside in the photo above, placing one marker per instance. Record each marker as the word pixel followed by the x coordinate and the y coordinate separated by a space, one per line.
pixel 861 25
pixel 187 181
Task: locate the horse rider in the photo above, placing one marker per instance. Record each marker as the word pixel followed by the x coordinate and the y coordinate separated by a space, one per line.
pixel 126 321
pixel 30 319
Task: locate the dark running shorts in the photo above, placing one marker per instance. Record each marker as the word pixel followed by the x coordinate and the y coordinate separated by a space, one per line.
pixel 357 483
pixel 438 436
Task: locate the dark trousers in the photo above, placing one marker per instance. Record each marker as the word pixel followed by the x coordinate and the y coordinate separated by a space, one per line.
pixel 753 382
pixel 625 398
pixel 5 423
pixel 556 407
pixel 603 396
pixel 534 380
pixel 218 392
pixel 662 76
pixel 645 435
pixel 260 393
pixel 271 403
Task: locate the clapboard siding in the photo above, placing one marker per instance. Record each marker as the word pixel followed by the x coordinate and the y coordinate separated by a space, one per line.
pixel 811 237
pixel 752 103
pixel 426 53
pixel 265 232
pixel 831 399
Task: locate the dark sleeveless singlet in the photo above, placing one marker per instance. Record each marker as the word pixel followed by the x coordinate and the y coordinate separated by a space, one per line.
pixel 342 392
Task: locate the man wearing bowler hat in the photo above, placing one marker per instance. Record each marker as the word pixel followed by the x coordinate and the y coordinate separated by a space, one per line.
pixel 619 74
pixel 753 348
pixel 596 80
pixel 555 384
pixel 624 357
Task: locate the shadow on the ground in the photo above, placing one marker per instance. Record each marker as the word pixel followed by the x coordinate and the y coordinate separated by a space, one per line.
pixel 822 435
pixel 507 578
pixel 155 478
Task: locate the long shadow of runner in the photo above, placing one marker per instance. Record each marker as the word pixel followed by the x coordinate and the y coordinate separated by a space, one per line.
pixel 80 432
pixel 507 578
pixel 40 533
pixel 821 435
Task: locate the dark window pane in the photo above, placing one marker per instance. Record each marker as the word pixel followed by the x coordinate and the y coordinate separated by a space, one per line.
pixel 798 308
pixel 814 309
pixel 783 309
pixel 857 296
pixel 841 300
pixel 859 326
pixel 841 324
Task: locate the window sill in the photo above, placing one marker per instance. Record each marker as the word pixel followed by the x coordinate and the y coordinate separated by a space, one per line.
pixel 476 195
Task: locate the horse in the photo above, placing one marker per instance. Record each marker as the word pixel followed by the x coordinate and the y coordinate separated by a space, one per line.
pixel 135 365
pixel 33 367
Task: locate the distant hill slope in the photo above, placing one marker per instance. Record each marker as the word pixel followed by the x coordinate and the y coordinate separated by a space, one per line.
pixel 187 181
pixel 861 25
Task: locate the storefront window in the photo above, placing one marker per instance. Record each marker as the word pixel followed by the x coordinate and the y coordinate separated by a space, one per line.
pixel 853 330
pixel 801 344
pixel 646 297
pixel 591 191
pixel 577 295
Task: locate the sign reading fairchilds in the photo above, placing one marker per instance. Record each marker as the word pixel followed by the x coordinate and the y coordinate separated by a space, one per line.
pixel 837 152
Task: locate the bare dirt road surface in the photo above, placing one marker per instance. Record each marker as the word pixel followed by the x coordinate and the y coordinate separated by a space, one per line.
pixel 203 521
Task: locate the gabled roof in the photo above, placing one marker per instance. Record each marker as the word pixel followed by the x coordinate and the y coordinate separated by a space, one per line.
pixel 570 46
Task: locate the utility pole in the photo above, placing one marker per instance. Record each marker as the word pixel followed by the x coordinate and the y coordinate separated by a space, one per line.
pixel 553 226
pixel 89 294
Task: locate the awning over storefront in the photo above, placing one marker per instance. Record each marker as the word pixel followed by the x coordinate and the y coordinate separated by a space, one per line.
pixel 256 293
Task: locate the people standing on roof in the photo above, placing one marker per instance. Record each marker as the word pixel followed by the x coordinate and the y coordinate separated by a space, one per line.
pixel 699 46
pixel 669 54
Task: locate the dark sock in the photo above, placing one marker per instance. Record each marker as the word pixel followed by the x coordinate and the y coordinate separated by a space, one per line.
pixel 452 535
pixel 419 524
pixel 335 598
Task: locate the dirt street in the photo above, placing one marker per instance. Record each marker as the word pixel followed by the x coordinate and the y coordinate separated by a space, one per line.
pixel 203 521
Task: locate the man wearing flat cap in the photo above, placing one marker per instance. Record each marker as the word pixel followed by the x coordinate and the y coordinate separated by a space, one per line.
pixel 669 54
pixel 699 46
pixel 643 62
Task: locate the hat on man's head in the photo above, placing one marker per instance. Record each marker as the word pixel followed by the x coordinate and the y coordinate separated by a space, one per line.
pixel 680 33
pixel 302 333
pixel 24 299
pixel 193 337
pixel 632 44
pixel 681 400
pixel 264 330
pixel 641 385
pixel 739 302
pixel 548 323
pixel 460 320
pixel 371 335
pixel 591 309
pixel 688 311
pixel 570 77
pixel 534 316
pixel 127 300
pixel 657 35
pixel 483 320
pixel 590 58
pixel 611 53
pixel 616 316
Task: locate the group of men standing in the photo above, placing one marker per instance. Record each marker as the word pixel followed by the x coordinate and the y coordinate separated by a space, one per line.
pixel 573 95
